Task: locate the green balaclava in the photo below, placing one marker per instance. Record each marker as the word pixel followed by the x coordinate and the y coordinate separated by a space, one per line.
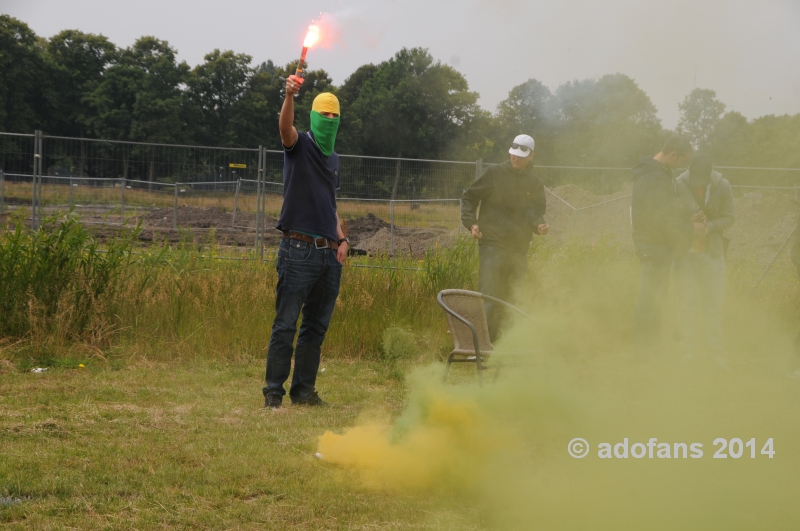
pixel 325 128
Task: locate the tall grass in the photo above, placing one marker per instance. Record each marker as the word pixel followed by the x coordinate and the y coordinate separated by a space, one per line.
pixel 59 292
pixel 194 307
pixel 56 278
pixel 453 267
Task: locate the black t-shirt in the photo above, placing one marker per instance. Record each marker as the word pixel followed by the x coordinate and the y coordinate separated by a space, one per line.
pixel 310 181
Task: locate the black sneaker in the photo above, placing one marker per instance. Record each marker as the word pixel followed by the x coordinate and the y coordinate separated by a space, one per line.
pixel 312 400
pixel 273 401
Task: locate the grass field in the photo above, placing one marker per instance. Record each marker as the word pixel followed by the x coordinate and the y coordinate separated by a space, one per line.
pixel 108 200
pixel 153 417
pixel 187 445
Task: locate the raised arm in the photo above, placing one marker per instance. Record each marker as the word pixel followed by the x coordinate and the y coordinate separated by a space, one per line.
pixel 286 121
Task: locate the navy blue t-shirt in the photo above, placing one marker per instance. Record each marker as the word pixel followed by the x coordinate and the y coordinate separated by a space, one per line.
pixel 310 181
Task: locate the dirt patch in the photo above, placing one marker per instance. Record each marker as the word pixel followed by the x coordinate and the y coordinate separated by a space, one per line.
pixel 364 228
pixel 194 226
pixel 373 235
pixel 407 241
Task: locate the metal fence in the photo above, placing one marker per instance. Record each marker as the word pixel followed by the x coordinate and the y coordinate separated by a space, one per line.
pixel 172 188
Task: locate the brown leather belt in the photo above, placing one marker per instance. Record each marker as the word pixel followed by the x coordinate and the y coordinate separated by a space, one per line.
pixel 319 243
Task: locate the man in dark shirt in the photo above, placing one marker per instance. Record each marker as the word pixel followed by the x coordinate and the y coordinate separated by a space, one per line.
pixel 311 252
pixel 659 227
pixel 512 207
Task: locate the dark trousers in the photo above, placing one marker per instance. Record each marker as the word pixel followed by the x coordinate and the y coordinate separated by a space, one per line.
pixel 656 265
pixel 308 280
pixel 500 271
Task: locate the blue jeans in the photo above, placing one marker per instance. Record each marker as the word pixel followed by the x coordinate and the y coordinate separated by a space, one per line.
pixel 656 262
pixel 500 271
pixel 308 280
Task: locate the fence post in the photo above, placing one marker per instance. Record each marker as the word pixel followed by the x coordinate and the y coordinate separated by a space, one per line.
pixel 33 181
pixel 259 216
pixel 41 194
pixel 263 201
pixel 478 168
pixel 37 163
pixel 70 193
pixel 175 209
pixel 391 220
pixel 2 193
pixel 236 201
pixel 122 185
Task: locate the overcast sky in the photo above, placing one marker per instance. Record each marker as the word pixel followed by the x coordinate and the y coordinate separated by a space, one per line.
pixel 748 51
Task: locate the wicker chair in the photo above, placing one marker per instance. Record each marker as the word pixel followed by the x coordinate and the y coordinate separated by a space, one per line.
pixel 466 317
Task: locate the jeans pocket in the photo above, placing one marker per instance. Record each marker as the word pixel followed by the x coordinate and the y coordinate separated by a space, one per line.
pixel 298 251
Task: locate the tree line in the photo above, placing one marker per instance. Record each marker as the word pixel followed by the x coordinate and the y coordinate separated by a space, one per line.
pixel 411 105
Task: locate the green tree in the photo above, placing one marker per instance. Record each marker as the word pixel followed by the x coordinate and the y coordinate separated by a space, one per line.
pixel 607 122
pixel 775 141
pixel 701 112
pixel 140 96
pixel 727 139
pixel 410 105
pixel 25 95
pixel 215 89
pixel 529 109
pixel 79 61
pixel 349 137
pixel 255 119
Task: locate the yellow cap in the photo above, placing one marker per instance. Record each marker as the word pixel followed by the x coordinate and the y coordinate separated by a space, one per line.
pixel 326 102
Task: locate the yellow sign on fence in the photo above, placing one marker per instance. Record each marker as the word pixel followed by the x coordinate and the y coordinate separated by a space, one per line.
pixel 232 165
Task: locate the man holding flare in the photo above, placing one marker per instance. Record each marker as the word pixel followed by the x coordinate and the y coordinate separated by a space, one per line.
pixel 311 252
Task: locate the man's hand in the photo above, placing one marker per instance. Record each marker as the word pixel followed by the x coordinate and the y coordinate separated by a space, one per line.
pixel 293 84
pixel 700 229
pixel 699 217
pixel 476 232
pixel 544 228
pixel 341 252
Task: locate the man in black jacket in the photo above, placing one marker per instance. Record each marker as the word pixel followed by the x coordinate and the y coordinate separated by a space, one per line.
pixel 659 227
pixel 512 207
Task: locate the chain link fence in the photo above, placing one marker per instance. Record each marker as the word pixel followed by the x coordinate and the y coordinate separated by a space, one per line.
pixel 409 203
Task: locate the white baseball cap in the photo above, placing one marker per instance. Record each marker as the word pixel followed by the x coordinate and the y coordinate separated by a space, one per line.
pixel 522 146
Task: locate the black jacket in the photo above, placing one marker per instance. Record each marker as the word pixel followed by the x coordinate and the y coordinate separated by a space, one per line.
pixel 656 213
pixel 512 206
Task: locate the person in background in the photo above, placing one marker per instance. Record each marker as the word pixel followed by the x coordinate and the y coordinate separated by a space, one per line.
pixel 659 226
pixel 700 264
pixel 512 207
pixel 311 252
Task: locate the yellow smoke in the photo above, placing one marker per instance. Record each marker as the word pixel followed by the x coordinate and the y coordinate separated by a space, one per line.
pixel 503 446
pixel 442 442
